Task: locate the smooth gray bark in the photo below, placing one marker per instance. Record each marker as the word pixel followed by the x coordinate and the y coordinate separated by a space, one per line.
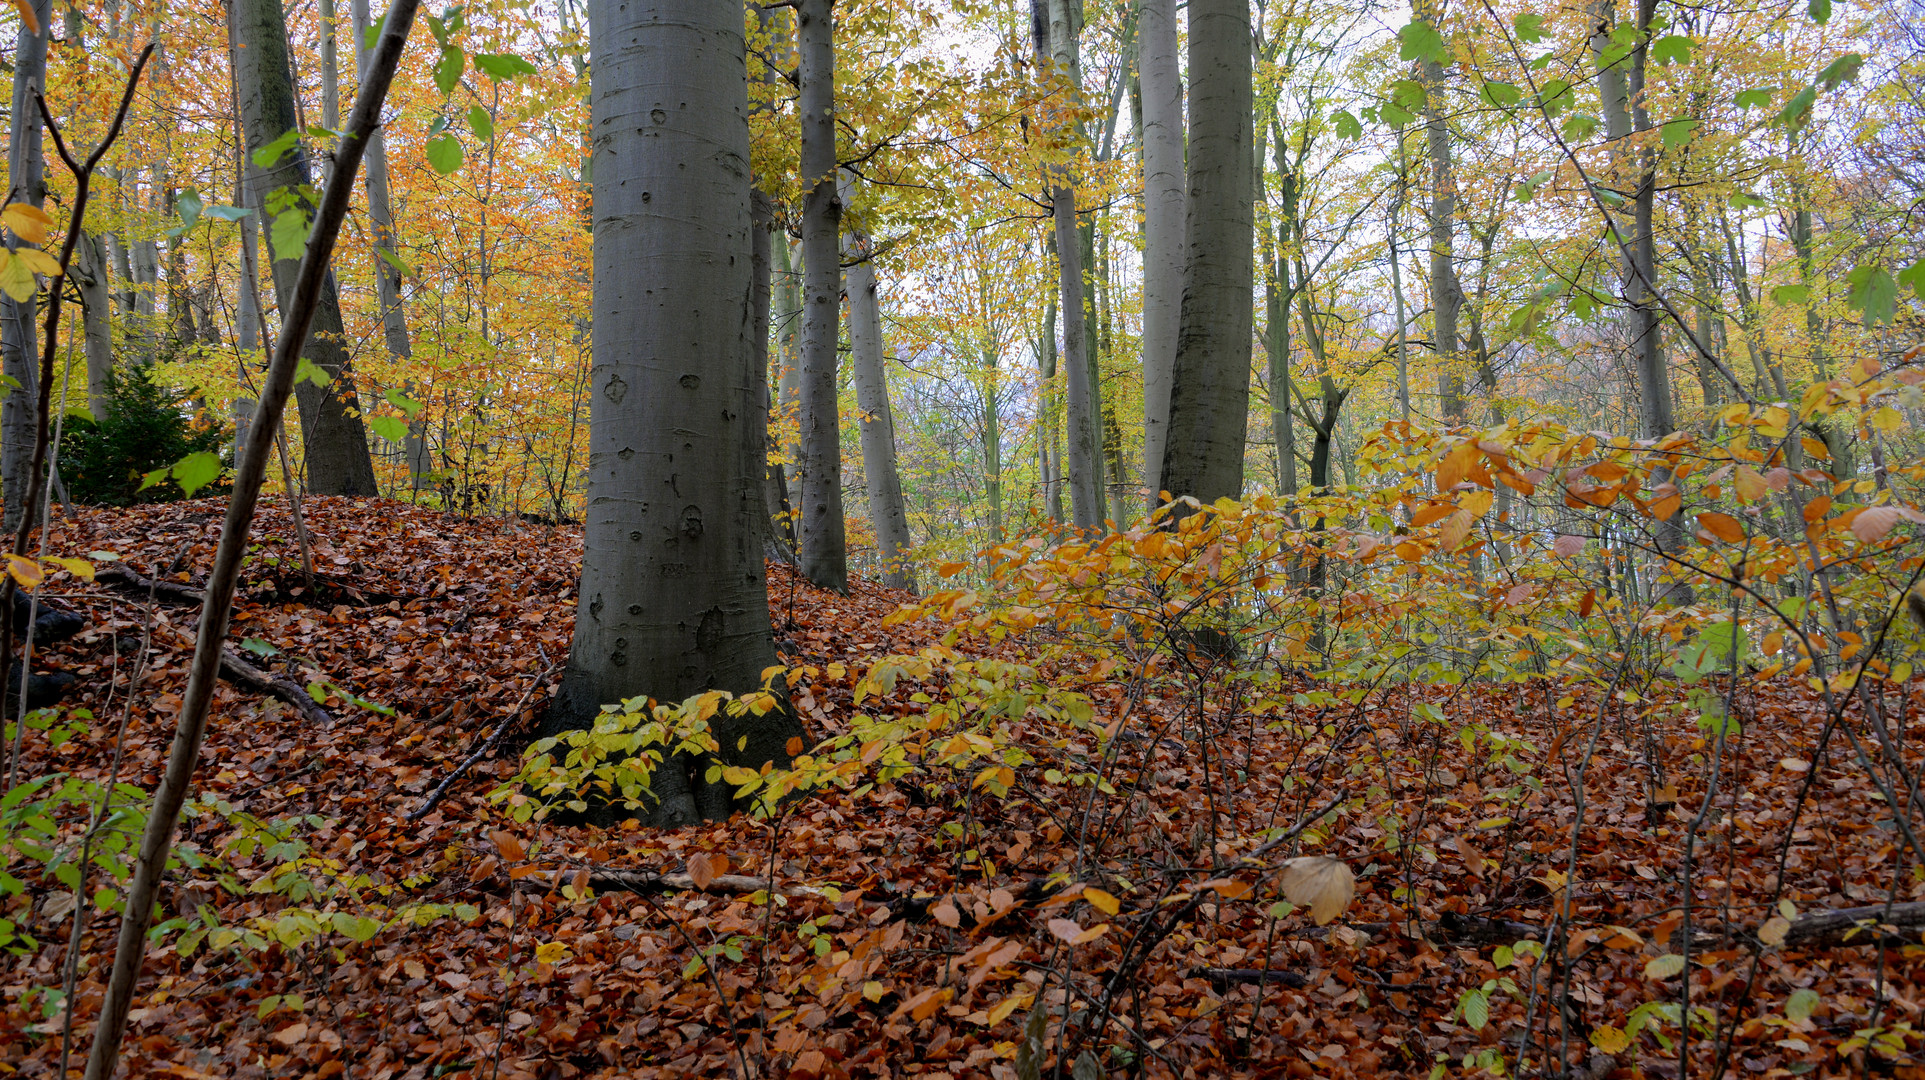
pixel 1054 26
pixel 96 319
pixel 387 278
pixel 876 423
pixel 824 551
pixel 1162 225
pixel 673 598
pixel 19 353
pixel 1210 393
pixel 335 441
pixel 1445 296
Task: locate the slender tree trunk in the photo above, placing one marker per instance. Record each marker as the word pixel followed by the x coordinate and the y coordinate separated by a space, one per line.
pixel 387 276
pixel 876 425
pixel 96 313
pixel 1445 296
pixel 1052 451
pixel 825 560
pixel 1210 396
pixel 335 441
pixel 1054 29
pixel 1162 117
pixel 331 66
pixel 788 300
pixel 19 352
pixel 673 597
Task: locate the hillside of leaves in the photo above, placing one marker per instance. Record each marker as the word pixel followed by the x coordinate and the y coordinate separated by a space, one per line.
pixel 1124 864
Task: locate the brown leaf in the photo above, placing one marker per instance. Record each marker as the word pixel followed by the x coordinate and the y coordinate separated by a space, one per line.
pixel 1322 884
pixel 701 869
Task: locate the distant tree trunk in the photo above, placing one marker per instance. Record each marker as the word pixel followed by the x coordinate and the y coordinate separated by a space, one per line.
pixel 331 66
pixel 992 416
pixel 336 444
pixel 1162 225
pixel 673 598
pixel 825 560
pixel 18 338
pixel 876 425
pixel 1049 445
pixel 1445 296
pixel 1054 29
pixel 788 298
pixel 1210 395
pixel 387 277
pixel 96 315
pixel 1276 316
pixel 1397 284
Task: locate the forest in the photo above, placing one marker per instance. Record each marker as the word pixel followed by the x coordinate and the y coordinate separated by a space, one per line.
pixel 881 538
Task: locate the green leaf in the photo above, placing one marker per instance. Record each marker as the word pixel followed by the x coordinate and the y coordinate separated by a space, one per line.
pixel 391 428
pixel 1477 1009
pixel 227 213
pixel 318 692
pixel 1745 198
pixel 1530 28
pixel 481 123
pixel 1583 306
pixel 288 234
pixel 1757 97
pixel 1347 125
pixel 374 33
pixel 148 480
pixel 268 155
pixel 355 927
pixel 189 205
pixel 444 154
pixel 1579 127
pixel 1819 10
pixel 394 260
pixel 447 72
pixel 1873 293
pixel 1799 1006
pixel 1395 116
pixel 16 277
pixel 1501 94
pixel 1421 41
pixel 502 66
pixel 1554 97
pixel 196 471
pixel 1913 278
pixel 1790 294
pixel 1408 94
pixel 259 647
pixel 1842 70
pixel 1672 49
pixel 312 372
pixel 401 401
pixel 1798 109
pixel 1678 132
pixel 1528 189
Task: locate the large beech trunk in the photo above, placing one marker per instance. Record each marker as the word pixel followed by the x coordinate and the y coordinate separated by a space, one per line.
pixel 673 597
pixel 824 551
pixel 1210 395
pixel 336 443
pixel 1162 225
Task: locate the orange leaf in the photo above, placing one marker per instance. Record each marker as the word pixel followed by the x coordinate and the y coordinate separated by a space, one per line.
pixel 1723 526
pixel 509 845
pixel 33 27
pixel 701 870
pixel 1228 888
pixel 1817 508
pixel 1874 523
pixel 946 914
pixel 1456 466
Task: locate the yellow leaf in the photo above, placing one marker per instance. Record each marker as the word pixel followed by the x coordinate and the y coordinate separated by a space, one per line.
pixel 79 568
pixel 1008 1005
pixel 25 571
pixel 29 223
pixel 1611 1040
pixel 1102 901
pixel 1478 502
pixel 951 569
pixel 16 278
pixel 1751 484
pixel 873 990
pixel 1664 967
pixel 38 261
pixel 1455 466
pixel 1456 530
pixel 1320 883
pixel 1773 931
pixel 551 952
pixel 1815 448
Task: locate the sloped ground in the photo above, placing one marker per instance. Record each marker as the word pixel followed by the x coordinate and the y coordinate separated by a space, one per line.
pixel 948 907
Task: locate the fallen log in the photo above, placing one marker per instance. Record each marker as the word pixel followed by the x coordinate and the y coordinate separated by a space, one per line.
pixel 1222 979
pixel 1841 927
pixel 241 673
pixel 610 879
pixel 122 576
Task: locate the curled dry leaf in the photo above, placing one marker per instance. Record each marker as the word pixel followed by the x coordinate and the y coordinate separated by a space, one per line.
pixel 1320 883
pixel 1566 546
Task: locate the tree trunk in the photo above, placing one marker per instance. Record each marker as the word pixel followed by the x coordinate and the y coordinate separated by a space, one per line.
pixel 19 353
pixel 387 277
pixel 876 425
pixel 673 597
pixel 336 444
pixel 1054 29
pixel 1210 395
pixel 1162 226
pixel 1051 445
pixel 96 315
pixel 1445 297
pixel 788 385
pixel 825 560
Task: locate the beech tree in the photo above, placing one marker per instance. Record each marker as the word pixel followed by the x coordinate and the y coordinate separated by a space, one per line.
pixel 26 169
pixel 824 552
pixel 1162 119
pixel 673 598
pixel 336 442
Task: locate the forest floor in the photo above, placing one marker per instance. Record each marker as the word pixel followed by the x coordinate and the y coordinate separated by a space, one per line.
pixel 894 950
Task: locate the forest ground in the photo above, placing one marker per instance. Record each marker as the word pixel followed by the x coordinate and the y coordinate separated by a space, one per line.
pixel 931 961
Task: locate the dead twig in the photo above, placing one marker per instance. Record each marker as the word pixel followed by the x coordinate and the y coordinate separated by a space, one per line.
pixel 441 790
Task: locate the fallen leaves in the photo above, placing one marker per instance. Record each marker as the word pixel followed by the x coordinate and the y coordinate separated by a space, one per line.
pixel 1320 883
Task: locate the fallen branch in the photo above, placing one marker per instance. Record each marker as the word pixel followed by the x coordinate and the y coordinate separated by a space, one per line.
pixel 123 576
pixel 1224 978
pixel 610 879
pixel 1841 927
pixel 241 673
pixel 441 790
